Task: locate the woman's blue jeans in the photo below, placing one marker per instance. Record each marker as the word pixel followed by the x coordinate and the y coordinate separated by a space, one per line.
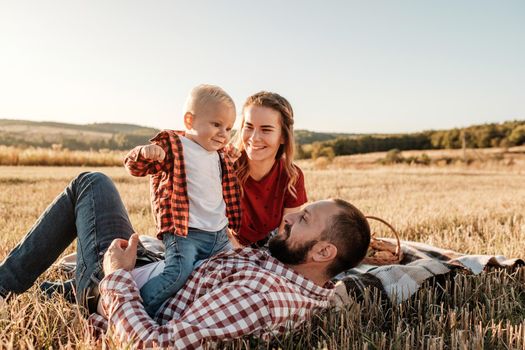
pixel 91 210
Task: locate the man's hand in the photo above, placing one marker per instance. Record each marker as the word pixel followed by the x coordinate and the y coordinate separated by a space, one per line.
pixel 153 152
pixel 121 254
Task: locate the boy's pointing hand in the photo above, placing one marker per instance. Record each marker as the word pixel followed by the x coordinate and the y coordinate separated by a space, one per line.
pixel 153 152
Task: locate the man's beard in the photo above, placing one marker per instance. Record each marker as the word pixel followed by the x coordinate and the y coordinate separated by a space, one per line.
pixel 281 250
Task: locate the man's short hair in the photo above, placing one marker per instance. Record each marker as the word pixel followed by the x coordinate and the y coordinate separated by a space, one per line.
pixel 349 231
pixel 202 95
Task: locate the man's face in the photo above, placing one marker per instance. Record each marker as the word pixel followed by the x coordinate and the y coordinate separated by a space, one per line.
pixel 302 230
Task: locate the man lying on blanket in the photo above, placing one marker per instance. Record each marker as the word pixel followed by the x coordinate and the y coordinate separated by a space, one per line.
pixel 236 293
pixel 243 291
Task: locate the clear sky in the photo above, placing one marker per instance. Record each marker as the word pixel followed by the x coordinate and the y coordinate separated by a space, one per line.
pixel 346 66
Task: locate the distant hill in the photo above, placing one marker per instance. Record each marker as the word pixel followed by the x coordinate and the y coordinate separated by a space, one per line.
pixel 23 133
pixel 112 128
pixel 303 137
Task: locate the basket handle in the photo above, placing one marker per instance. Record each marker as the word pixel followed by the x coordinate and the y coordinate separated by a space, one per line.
pixel 390 227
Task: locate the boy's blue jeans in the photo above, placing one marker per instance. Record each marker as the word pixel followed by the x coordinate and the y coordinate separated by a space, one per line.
pixel 181 256
pixel 90 210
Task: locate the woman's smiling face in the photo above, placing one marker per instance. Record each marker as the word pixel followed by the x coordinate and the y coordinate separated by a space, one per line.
pixel 261 132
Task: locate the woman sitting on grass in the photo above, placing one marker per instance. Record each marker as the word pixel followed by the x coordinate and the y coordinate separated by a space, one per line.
pixel 272 184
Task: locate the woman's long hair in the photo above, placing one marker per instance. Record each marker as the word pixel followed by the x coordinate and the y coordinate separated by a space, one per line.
pixel 285 151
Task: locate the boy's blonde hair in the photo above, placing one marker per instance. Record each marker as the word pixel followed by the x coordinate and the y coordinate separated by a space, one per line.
pixel 203 94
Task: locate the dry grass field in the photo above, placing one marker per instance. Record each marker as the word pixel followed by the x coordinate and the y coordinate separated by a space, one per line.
pixel 465 209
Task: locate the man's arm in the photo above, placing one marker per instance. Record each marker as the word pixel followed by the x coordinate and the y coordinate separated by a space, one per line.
pixel 227 313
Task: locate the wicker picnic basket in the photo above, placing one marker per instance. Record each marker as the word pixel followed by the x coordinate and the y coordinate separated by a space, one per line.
pixel 383 252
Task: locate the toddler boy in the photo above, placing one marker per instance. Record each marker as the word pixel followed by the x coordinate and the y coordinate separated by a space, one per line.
pixel 194 192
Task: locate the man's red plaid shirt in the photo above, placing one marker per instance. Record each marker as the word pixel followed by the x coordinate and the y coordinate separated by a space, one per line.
pixel 169 190
pixel 236 293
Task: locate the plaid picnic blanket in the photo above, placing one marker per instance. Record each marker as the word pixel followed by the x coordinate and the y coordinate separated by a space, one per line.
pixel 420 263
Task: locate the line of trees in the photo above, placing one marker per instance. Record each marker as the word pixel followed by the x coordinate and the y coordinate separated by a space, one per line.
pixel 480 136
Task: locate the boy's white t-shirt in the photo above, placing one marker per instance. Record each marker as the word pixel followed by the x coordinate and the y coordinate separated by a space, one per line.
pixel 204 184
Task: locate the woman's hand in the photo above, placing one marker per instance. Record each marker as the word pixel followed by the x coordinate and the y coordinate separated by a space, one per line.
pixel 235 243
pixel 232 153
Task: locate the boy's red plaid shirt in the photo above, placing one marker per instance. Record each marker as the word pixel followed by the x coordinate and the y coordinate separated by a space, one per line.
pixel 169 192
